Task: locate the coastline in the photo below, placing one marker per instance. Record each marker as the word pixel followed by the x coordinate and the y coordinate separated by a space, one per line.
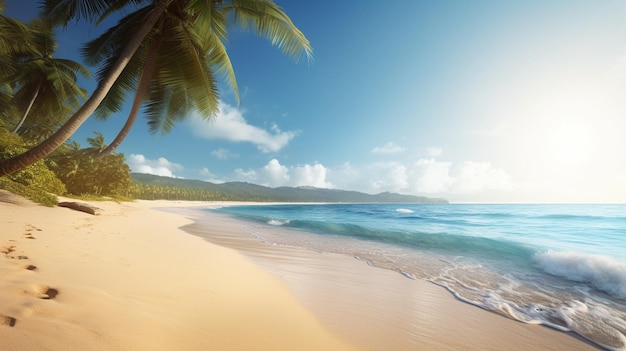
pixel 132 279
pixel 376 308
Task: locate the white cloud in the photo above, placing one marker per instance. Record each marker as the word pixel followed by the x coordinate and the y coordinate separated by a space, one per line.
pixel 388 175
pixel 424 177
pixel 223 154
pixel 345 177
pixel 476 177
pixel 209 176
pixel 389 148
pixel 311 175
pixel 205 172
pixel 246 176
pixel 229 124
pixel 434 151
pixel 273 174
pixel 430 177
pixel 140 164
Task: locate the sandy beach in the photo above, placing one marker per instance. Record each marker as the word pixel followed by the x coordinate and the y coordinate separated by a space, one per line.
pixel 132 279
pixel 129 279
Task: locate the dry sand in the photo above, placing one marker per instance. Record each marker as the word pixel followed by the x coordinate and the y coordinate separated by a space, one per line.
pixel 130 279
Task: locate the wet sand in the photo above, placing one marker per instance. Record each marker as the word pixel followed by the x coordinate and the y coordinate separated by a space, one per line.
pixel 379 309
pixel 131 279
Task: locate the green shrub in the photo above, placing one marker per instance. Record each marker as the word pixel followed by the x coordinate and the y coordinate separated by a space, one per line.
pixel 36 177
pixel 32 194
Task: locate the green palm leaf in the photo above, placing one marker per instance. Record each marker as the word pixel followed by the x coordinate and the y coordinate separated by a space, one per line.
pixel 267 19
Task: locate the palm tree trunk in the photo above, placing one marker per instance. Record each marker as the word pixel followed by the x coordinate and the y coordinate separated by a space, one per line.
pixel 65 132
pixel 30 105
pixel 142 90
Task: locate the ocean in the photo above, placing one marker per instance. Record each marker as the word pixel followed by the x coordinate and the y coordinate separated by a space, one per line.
pixel 563 266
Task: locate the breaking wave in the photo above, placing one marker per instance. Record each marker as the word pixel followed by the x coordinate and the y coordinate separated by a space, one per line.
pixel 601 272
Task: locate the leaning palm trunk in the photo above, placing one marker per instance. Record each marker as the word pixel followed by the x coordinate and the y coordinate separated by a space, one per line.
pixel 30 105
pixel 142 90
pixel 65 132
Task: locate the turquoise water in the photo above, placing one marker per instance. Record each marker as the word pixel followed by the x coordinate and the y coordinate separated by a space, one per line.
pixel 563 266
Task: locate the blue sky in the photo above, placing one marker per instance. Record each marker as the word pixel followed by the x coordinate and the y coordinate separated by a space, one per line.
pixel 474 101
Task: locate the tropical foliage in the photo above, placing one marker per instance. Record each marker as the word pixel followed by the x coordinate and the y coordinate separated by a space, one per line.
pixel 34 194
pixel 33 82
pixel 44 86
pixel 84 173
pixel 169 54
pixel 14 38
pixel 168 51
pixel 37 176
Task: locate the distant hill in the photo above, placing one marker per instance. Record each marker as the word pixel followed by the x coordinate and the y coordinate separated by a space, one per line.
pixel 241 191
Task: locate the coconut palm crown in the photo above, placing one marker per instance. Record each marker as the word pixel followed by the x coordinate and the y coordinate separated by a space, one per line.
pixel 188 39
pixel 45 87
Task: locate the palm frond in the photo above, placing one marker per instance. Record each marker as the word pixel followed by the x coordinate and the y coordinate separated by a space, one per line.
pixel 73 67
pixel 63 11
pixel 207 35
pixel 155 111
pixel 14 39
pixel 267 19
pixel 106 50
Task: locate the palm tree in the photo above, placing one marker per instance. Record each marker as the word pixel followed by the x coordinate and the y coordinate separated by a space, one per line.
pixel 196 29
pixel 65 157
pixel 97 142
pixel 14 38
pixel 157 82
pixel 63 11
pixel 46 86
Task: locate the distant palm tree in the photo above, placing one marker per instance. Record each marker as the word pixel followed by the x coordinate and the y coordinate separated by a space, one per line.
pixel 97 142
pixel 191 33
pixel 46 87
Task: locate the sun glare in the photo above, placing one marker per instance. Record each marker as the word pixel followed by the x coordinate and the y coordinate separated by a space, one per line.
pixel 569 144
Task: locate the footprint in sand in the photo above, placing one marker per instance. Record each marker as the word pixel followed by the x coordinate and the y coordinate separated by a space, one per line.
pixel 44 292
pixel 6 320
pixel 7 250
pixel 30 228
pixel 29 267
pixel 18 257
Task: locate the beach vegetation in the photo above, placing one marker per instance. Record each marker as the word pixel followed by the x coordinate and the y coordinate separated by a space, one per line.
pixel 153 187
pixel 90 197
pixel 34 194
pixel 169 52
pixel 45 89
pixel 84 173
pixel 37 90
pixel 35 182
pixel 13 38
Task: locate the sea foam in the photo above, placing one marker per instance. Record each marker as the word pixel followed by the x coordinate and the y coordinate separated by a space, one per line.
pixel 602 272
pixel 277 222
pixel 404 210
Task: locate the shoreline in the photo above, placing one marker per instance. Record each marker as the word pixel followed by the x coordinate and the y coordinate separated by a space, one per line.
pixel 134 278
pixel 130 279
pixel 377 308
